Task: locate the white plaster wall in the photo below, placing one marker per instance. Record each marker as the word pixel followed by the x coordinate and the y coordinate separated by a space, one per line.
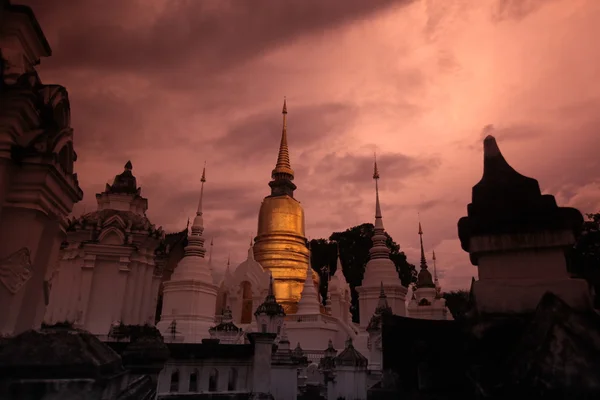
pixel 312 335
pixel 350 384
pixel 192 305
pixel 284 382
pixel 64 294
pixel 369 297
pixel 103 304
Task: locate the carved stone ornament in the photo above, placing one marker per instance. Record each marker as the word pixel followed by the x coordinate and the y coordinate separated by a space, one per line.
pixel 16 270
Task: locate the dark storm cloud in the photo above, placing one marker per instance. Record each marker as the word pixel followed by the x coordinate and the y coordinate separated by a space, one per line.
pixel 393 167
pixel 510 133
pixel 213 34
pixel 257 137
pixel 106 124
pixel 516 9
pixel 240 201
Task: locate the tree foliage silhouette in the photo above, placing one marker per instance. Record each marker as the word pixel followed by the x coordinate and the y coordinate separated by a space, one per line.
pixel 584 257
pixel 354 244
pixel 457 302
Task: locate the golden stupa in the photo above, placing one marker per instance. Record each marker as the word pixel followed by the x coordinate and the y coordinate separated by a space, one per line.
pixel 280 245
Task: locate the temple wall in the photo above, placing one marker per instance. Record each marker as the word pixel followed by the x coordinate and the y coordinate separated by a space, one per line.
pixel 103 303
pixel 350 384
pixel 284 382
pixel 368 297
pixel 203 368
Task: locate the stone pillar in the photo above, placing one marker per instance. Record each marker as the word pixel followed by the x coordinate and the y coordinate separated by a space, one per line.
pixel 6 169
pixel 29 247
pixel 261 367
pixel 517 238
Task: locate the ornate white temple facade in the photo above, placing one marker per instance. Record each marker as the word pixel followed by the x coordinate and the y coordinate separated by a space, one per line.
pixel 106 271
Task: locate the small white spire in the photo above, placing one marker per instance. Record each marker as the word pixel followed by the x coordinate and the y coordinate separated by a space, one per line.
pixel 199 221
pixel 378 216
pixel 210 253
pixel 195 245
pixel 339 271
pixel 379 267
pixel 309 300
pixel 251 252
pixel 379 249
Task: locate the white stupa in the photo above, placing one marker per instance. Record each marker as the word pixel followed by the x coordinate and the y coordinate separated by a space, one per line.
pixel 189 298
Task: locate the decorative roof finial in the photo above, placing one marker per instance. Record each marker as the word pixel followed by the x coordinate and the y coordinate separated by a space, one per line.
pixel 378 216
pixel 128 166
pixel 434 266
pixel 423 259
pixel 283 166
pixel 424 279
pixel 195 245
pixel 202 180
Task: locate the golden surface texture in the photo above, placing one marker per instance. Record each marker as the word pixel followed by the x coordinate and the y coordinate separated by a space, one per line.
pixel 280 247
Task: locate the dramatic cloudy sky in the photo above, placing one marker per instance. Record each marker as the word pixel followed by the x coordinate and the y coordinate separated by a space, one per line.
pixel 169 84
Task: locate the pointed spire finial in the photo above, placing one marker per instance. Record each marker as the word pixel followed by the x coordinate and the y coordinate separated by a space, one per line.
pixel 202 180
pixel 423 259
pixel 378 215
pixel 128 166
pixel 490 147
pixel 210 251
pixel 435 278
pixel 283 166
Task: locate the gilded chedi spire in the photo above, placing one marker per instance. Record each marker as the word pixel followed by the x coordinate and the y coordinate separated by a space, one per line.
pixel 380 268
pixel 309 300
pixel 283 174
pixel 283 166
pixel 280 243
